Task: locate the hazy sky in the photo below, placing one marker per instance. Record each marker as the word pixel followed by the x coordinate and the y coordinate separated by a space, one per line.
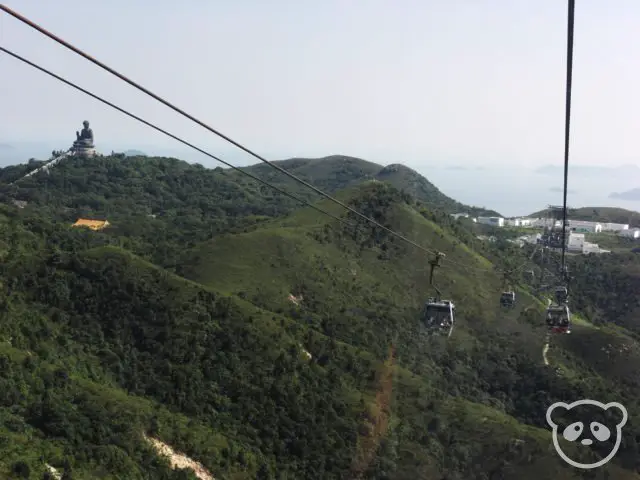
pixel 466 82
pixel 454 83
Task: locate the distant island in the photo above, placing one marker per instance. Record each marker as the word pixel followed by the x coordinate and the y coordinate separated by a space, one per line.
pixel 631 195
pixel 560 190
pixel 134 153
pixel 588 170
pixel 464 168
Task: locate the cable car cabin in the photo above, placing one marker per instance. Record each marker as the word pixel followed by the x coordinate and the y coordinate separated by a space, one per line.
pixel 439 315
pixel 559 319
pixel 508 299
pixel 562 295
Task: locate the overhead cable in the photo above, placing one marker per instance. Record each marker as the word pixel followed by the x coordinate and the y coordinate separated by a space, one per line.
pixel 567 122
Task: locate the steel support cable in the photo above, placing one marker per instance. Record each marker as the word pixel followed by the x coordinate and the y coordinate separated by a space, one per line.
pixel 106 102
pixel 567 120
pixel 510 272
pixel 204 125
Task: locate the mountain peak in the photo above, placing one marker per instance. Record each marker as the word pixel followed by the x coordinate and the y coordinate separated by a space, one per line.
pixel 336 172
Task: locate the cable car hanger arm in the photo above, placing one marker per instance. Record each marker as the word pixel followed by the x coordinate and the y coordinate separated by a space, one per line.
pixel 435 263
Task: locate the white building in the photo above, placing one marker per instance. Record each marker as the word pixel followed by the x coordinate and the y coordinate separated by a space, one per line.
pixel 576 242
pixel 593 248
pixel 517 241
pixel 544 222
pixel 517 222
pixel 630 233
pixel 531 239
pixel 584 226
pixel 615 227
pixel 537 222
pixel 458 215
pixel 494 221
pixel 485 238
pixel 589 247
pixel 577 225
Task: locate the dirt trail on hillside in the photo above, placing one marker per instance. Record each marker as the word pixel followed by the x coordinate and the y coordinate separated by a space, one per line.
pixel 545 349
pixel 179 460
pixel 377 421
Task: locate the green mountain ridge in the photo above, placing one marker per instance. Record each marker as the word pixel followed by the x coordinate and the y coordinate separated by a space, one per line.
pixel 177 321
pixel 336 172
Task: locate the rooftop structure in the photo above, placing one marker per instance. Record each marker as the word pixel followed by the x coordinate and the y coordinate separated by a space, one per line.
pixel 92 224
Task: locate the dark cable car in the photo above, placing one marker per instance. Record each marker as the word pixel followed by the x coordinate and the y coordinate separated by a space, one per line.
pixel 438 315
pixel 508 296
pixel 559 319
pixel 508 299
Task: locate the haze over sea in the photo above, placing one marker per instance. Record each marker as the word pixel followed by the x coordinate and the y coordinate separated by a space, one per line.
pixel 521 191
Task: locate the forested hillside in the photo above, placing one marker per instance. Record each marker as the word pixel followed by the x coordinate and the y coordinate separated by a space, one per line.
pixel 156 201
pixel 270 341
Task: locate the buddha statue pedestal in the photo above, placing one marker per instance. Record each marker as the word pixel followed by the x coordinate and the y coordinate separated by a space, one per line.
pixel 83 150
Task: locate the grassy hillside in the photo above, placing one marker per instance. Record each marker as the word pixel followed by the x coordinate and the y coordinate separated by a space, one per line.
pixel 99 345
pixel 302 252
pixel 600 214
